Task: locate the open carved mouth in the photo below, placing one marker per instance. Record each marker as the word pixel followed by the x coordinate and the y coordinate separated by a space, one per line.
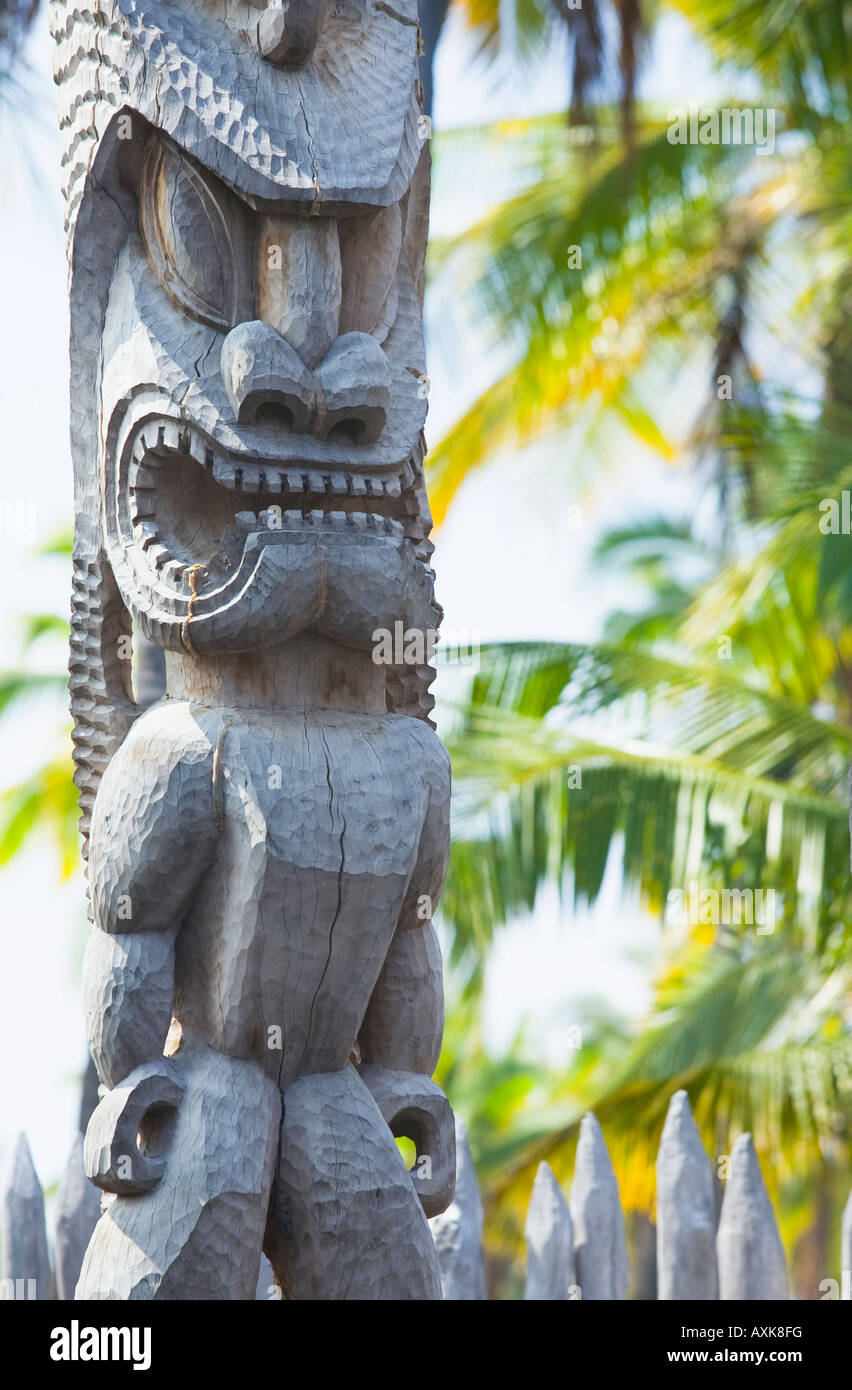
pixel 190 508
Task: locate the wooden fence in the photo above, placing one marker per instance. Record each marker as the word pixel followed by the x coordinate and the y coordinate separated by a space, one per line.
pixel 576 1248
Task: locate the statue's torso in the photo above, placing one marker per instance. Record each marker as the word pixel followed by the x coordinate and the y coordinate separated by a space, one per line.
pixel 319 821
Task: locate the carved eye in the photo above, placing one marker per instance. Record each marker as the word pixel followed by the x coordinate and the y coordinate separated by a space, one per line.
pixel 190 225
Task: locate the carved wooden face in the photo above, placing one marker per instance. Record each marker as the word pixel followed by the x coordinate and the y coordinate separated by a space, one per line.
pixel 263 383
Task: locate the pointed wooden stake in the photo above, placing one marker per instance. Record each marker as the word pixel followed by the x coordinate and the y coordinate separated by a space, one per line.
pixel 748 1246
pixel 550 1242
pixel 599 1246
pixel 457 1232
pixel 686 1210
pixel 78 1214
pixel 24 1258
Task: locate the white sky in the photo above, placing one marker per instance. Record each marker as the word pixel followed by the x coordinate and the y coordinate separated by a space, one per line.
pixel 508 567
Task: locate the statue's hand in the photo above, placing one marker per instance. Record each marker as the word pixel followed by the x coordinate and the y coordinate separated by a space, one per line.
pixel 415 1108
pixel 124 1148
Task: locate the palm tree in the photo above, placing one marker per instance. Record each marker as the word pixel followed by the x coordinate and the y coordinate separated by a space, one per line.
pixel 677 244
pixel 708 736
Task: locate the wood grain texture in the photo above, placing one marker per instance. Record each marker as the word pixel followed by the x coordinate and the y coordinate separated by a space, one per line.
pixel 247 209
pixel 78 1212
pixel 24 1257
pixel 345 1222
pixel 751 1257
pixel 686 1209
pixel 550 1242
pixel 457 1232
pixel 599 1243
pixel 197 1232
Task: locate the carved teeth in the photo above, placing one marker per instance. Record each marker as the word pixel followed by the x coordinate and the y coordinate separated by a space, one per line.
pixel 174 571
pixel 142 477
pixel 147 536
pixel 251 480
pixel 159 555
pixel 380 501
pixel 142 506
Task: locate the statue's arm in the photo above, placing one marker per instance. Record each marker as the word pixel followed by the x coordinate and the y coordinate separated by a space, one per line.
pixel 400 1038
pixel 404 1022
pixel 153 838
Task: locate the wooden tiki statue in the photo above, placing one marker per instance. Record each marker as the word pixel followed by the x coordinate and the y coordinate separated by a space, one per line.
pixel 247 194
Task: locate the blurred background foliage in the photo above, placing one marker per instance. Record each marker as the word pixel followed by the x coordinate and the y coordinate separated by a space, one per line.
pixel 707 735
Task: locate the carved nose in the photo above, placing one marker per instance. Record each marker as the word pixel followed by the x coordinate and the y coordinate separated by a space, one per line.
pixel 266 380
pixel 288 30
pixel 353 390
pixel 347 397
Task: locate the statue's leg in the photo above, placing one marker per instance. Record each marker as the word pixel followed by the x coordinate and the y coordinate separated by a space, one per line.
pixel 191 1194
pixel 345 1220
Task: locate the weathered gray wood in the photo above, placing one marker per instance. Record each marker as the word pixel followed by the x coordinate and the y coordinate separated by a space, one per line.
pixel 332 1239
pixel 24 1258
pixel 600 1250
pixel 88 1095
pixel 425 1118
pixel 457 1232
pixel 77 1214
pixel 287 33
pixel 686 1210
pixel 247 218
pixel 550 1242
pixel 749 1250
pixel 187 1210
